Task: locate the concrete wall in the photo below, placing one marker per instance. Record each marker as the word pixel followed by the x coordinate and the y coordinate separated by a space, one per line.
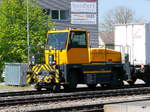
pixel 139 106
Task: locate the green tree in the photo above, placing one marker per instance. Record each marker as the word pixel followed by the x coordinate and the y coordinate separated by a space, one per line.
pixel 13 29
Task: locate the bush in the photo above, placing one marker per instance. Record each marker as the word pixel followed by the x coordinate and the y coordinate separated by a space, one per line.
pixel 1 78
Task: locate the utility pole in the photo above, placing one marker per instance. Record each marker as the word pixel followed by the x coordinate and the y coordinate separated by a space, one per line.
pixel 28 32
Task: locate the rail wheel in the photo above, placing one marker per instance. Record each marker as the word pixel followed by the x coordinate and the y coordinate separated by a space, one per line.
pixel 91 86
pixel 105 86
pixel 116 81
pixel 56 88
pixel 131 83
pixel 146 79
pixel 48 89
pixel 72 80
pixel 70 86
pixel 38 87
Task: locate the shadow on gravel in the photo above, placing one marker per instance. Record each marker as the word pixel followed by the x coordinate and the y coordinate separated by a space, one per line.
pixel 83 89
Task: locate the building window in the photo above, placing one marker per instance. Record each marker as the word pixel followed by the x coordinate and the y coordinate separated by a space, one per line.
pixel 46 11
pixel 55 14
pixel 64 14
pixel 60 14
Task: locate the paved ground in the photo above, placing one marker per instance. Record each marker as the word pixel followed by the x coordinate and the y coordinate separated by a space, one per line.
pixel 137 106
pixel 6 88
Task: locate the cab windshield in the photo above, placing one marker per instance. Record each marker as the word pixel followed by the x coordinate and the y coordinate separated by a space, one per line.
pixel 57 40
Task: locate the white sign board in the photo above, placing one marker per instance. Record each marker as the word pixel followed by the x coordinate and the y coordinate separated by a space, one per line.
pixel 83 18
pixel 83 7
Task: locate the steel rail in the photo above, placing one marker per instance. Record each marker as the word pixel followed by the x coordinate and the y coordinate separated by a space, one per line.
pixel 75 96
pixel 34 92
pixel 84 108
pixel 21 93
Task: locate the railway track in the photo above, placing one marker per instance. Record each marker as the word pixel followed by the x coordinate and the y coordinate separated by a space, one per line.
pixel 85 108
pixel 34 92
pixel 21 93
pixel 73 96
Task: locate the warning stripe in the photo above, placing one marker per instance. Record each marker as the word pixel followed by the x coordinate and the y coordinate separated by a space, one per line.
pixel 34 67
pixel 42 67
pixel 50 67
pixel 46 67
pixel 38 70
pixel 37 67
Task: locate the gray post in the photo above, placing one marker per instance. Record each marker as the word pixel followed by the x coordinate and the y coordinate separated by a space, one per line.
pixel 28 33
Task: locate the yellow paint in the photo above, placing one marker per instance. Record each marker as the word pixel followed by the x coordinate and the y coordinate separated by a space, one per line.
pixel 47 79
pixel 77 56
pixel 82 55
pixel 87 56
pixel 92 72
pixel 28 78
pixel 104 55
pixel 36 68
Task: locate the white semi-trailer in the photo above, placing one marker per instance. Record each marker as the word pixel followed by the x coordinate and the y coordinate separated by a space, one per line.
pixel 134 40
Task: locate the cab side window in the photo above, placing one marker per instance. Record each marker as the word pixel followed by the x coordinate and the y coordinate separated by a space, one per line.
pixel 78 39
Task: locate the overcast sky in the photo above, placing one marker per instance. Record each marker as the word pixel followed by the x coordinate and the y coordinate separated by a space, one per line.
pixel 140 7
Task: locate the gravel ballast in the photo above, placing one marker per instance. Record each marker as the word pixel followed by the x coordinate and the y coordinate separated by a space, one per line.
pixel 53 105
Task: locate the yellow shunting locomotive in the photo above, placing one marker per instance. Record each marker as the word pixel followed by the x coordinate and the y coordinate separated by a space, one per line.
pixel 69 61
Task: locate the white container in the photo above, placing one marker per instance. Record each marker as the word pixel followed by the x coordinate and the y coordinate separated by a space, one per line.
pixel 15 74
pixel 135 41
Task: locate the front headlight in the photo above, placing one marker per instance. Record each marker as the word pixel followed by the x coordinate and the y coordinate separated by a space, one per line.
pixel 32 60
pixel 51 60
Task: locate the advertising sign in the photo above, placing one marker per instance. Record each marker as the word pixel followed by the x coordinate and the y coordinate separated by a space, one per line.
pixel 83 18
pixel 83 7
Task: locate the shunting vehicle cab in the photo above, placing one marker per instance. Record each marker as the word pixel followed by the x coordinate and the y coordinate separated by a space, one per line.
pixel 69 61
